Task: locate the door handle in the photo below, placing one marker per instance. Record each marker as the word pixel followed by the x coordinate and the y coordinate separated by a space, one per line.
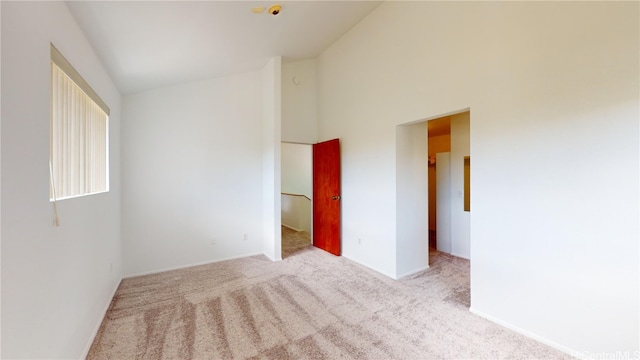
pixel 335 197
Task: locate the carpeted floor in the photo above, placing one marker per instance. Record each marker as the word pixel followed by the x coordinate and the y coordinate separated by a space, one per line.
pixel 312 305
pixel 294 241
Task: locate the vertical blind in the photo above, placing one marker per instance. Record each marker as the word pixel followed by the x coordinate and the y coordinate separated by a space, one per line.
pixel 79 138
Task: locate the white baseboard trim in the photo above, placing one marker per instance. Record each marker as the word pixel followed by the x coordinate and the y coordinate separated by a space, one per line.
pixel 291 227
pixel 188 265
pixel 460 256
pixel 271 258
pixel 391 276
pixel 94 333
pixel 526 333
pixel 368 267
pixel 412 272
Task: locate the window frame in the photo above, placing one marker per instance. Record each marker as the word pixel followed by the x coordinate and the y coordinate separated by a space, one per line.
pixel 82 115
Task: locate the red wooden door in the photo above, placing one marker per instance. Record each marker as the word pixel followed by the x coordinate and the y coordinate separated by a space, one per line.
pixel 326 196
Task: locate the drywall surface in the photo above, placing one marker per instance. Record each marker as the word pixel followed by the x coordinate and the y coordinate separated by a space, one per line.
pixel 412 216
pixel 554 230
pixel 271 168
pixel 443 201
pixel 460 219
pixel 296 169
pixel 296 212
pixel 56 281
pixel 440 143
pixel 299 102
pixel 192 173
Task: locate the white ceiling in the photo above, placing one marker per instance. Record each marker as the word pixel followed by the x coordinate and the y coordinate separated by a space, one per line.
pixel 148 44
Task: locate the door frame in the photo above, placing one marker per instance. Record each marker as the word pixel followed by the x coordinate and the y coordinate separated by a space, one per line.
pixel 311 160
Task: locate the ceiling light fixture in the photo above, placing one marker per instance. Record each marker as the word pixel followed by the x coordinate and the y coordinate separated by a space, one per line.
pixel 275 9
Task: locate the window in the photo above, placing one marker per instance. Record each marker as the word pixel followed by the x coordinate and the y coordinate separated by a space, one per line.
pixel 79 145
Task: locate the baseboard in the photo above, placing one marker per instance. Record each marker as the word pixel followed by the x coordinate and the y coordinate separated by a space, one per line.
pixel 391 276
pixel 369 267
pixel 271 258
pixel 526 333
pixel 460 256
pixel 291 227
pixel 188 265
pixel 94 333
pixel 412 272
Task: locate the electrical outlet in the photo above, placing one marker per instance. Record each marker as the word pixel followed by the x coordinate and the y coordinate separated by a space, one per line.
pixel 359 241
pixel 213 241
pixel 245 237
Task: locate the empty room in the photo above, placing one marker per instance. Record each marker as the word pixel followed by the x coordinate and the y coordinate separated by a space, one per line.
pixel 141 179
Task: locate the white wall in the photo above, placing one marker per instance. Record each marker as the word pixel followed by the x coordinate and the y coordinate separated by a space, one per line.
pixel 299 102
pixel 443 202
pixel 412 210
pixel 297 169
pixel 460 219
pixel 192 173
pixel 271 168
pixel 296 212
pixel 56 281
pixel 554 231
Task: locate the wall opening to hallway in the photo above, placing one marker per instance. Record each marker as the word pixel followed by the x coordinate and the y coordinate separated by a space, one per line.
pixel 412 191
pixel 449 151
pixel 296 197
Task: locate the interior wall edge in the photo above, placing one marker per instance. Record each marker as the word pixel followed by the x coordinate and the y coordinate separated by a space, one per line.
pixel 94 333
pixel 180 267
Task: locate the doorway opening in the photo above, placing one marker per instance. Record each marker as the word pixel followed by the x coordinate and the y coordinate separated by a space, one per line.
pixel 449 176
pixel 413 253
pixel 449 169
pixel 296 197
pixel 310 197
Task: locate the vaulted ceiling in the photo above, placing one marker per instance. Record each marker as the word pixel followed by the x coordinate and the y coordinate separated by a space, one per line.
pixel 149 44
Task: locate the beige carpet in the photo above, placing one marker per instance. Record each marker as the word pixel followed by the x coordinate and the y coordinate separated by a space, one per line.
pixel 312 305
pixel 294 241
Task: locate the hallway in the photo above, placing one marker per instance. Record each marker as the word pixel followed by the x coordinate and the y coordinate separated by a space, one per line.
pixel 294 241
